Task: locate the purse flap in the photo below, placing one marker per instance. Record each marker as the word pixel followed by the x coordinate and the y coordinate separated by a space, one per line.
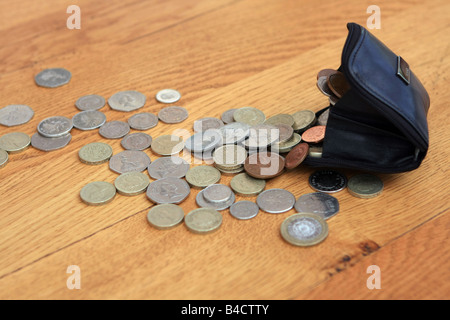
pixel 385 80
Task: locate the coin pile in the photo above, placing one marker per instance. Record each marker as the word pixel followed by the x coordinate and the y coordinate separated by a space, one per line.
pixel 243 143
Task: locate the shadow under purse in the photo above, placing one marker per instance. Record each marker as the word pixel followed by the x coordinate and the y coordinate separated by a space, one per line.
pixel 380 123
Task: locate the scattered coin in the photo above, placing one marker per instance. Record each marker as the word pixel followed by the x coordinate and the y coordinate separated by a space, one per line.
pixel 15 114
pixel 365 186
pixel 264 165
pixel 202 176
pixel 114 129
pixel 165 216
pixel 168 96
pixel 275 201
pixel 227 116
pixel 323 118
pixel 129 160
pixel 328 181
pixel 314 134
pixel 207 123
pixel 168 167
pixel 234 132
pixel 285 132
pixel 49 144
pixel 287 146
pixel 323 87
pixel 282 118
pixel 167 145
pixel 245 185
pixel 173 114
pixel 54 127
pixel 204 141
pixel 203 220
pixel 249 115
pixel 143 121
pixel 53 78
pixel 14 142
pixel 303 120
pixel 136 141
pixel 3 158
pixel 244 210
pixel 296 156
pixel 90 102
pixel 319 203
pixel 204 203
pixel 304 229
pixel 262 136
pixel 338 84
pixel 325 73
pixel 95 153
pixel 89 120
pixel 315 152
pixel 168 190
pixel 229 156
pixel 217 193
pixel 98 193
pixel 131 183
pixel 127 101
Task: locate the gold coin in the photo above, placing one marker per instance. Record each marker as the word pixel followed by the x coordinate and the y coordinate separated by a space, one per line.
pixel 365 186
pixel 167 145
pixel 284 147
pixel 95 153
pixel 282 118
pixel 246 185
pixel 249 115
pixel 203 220
pixel 303 119
pixel 98 193
pixel 202 176
pixel 15 142
pixel 131 183
pixel 165 216
pixel 304 229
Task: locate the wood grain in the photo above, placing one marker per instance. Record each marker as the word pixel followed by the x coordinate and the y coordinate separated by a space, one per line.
pixel 219 55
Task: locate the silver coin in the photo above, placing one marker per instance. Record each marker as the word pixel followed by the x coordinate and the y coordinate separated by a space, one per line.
pixel 323 118
pixel 168 190
pixel 89 120
pixel 234 132
pixel 3 158
pixel 173 114
pixel 143 121
pixel 203 203
pixel 52 78
pixel 217 193
pixel 114 129
pixel 168 96
pixel 168 167
pixel 328 181
pixel 129 160
pixel 204 124
pixel 275 200
pixel 319 203
pixel 90 102
pixel 261 136
pixel 136 141
pixel 227 116
pixel 15 114
pixel 203 141
pixel 15 142
pixel 50 144
pixel 244 210
pixel 54 127
pixel 127 101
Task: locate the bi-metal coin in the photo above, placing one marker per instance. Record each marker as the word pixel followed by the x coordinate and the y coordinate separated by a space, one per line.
pixel 304 229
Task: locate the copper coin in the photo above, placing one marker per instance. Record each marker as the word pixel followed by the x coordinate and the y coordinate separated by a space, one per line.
pixel 314 135
pixel 264 165
pixel 296 155
pixel 325 73
pixel 338 84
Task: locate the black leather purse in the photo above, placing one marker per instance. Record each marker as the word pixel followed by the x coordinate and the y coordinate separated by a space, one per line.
pixel 380 124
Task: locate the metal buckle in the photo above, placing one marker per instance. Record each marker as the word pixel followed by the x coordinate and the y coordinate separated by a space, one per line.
pixel 403 69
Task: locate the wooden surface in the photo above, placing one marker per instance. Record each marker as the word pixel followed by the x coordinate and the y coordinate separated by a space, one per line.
pixel 219 54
